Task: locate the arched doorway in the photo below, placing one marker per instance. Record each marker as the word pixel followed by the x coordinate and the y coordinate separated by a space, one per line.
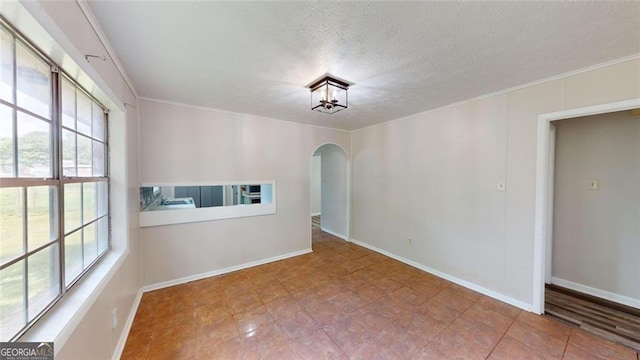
pixel 330 189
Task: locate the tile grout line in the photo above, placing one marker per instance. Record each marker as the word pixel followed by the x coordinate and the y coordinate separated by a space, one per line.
pixel 502 337
pixel 566 345
pixel 240 286
pixel 449 324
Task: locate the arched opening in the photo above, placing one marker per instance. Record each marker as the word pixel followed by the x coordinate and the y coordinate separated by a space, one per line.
pixel 329 188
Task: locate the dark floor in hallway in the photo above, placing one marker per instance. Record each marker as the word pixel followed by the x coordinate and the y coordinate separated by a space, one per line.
pixel 615 322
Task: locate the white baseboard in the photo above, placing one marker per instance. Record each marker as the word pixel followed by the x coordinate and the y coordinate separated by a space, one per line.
pixel 136 303
pixel 621 299
pixel 117 353
pixel 316 214
pixel 343 237
pixel 186 279
pixel 506 299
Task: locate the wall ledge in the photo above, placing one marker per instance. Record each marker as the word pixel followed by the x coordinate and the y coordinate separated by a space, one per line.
pixel 59 322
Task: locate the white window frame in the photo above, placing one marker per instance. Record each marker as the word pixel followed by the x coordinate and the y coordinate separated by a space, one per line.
pixel 56 179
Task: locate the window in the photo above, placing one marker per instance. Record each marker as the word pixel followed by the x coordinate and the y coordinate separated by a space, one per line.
pixel 54 204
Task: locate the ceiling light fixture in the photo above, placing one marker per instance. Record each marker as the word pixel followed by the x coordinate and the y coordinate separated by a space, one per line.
pixel 329 95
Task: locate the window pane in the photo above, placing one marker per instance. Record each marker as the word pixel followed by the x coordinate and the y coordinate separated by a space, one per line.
pixel 44 279
pixel 98 122
pixel 6 64
pixel 69 153
pixel 68 104
pixel 72 256
pixel 103 234
pixel 84 113
pixel 88 202
pixel 90 244
pixel 103 198
pixel 72 207
pixel 6 142
pixel 40 209
pixel 98 158
pixel 12 306
pixel 11 223
pixel 84 157
pixel 33 82
pixel 34 147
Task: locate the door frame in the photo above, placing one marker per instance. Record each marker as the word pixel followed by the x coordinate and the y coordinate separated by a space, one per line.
pixel 543 216
pixel 348 189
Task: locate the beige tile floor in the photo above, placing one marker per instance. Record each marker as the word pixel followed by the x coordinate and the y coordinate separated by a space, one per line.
pixel 346 302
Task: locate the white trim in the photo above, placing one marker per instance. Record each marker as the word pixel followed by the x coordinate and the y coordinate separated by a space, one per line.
pixel 88 14
pixel 348 188
pixel 186 279
pixel 550 196
pixel 60 322
pixel 343 237
pixel 63 319
pixel 331 143
pixel 603 294
pixel 591 110
pixel 183 216
pixel 134 308
pixel 511 89
pixel 348 202
pixel 544 178
pixel 316 214
pixel 30 19
pixel 539 229
pixel 197 107
pixel 457 103
pixel 207 183
pixel 117 353
pixel 493 294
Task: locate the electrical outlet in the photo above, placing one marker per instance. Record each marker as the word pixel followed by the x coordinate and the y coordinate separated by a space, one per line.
pixel 501 185
pixel 593 185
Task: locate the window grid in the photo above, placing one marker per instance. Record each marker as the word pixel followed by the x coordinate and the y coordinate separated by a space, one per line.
pixel 30 301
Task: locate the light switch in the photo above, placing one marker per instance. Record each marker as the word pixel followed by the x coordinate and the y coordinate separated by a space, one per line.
pixel 593 185
pixel 501 185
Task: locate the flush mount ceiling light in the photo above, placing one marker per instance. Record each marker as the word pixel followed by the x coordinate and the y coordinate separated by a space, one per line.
pixel 329 95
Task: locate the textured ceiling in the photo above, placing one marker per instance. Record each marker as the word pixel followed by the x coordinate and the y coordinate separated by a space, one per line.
pixel 402 57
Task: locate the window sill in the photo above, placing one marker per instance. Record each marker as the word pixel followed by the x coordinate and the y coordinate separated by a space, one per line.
pixel 59 322
pixel 182 216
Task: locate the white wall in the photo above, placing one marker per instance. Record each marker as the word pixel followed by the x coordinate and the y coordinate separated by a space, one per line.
pixel 596 234
pixel 189 144
pixel 391 159
pixel 316 181
pixel 63 32
pixel 334 190
pixel 436 173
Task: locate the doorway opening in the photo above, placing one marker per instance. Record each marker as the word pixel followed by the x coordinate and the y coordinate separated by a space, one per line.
pixel 576 183
pixel 329 189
